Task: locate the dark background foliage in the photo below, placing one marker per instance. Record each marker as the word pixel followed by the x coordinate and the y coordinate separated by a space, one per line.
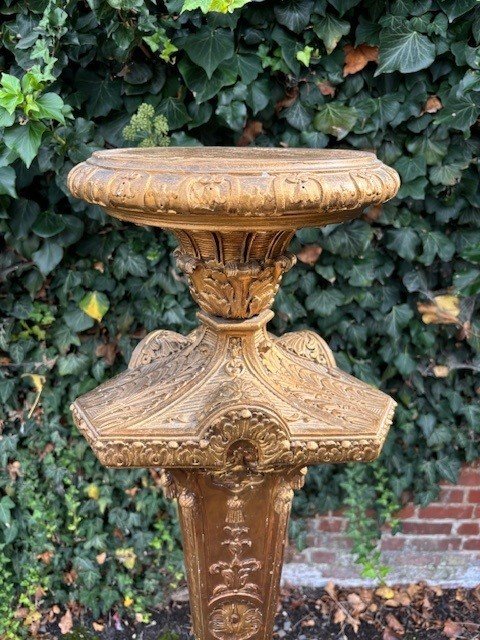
pixel 272 73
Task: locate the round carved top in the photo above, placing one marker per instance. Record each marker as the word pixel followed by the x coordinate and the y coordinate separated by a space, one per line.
pixel 215 188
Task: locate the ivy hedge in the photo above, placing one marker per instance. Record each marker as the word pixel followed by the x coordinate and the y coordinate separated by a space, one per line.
pixel 394 292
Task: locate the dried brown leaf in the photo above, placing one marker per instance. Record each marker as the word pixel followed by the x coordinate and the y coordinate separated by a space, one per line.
pixel 288 99
pixel 340 616
pixel 66 622
pixel 356 58
pixel 309 254
pixel 326 89
pixel 432 105
pixel 252 130
pixel 452 629
pixel 395 624
pixel 387 593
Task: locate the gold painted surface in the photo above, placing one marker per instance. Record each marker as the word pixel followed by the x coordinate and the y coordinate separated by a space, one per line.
pixel 231 412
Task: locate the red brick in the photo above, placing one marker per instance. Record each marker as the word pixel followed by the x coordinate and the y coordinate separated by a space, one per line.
pixel 474 496
pixel 469 476
pixel 310 540
pixel 408 511
pixel 446 512
pixel 423 528
pixel 424 543
pixel 468 529
pixel 473 544
pixel 332 525
pixel 393 543
pixel 323 557
pixel 449 495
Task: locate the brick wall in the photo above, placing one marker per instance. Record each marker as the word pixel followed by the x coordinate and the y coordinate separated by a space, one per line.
pixel 439 543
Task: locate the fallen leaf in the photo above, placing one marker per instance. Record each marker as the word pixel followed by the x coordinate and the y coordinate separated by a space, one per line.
pixel 440 371
pixel 108 351
pixel 330 589
pixel 70 577
pixel 444 309
pixel 98 626
pixel 66 622
pixel 452 629
pixel 128 601
pixel 252 130
pixel 309 254
pixel 45 557
pixel 356 58
pixel 432 105
pixel 395 624
pixel 373 213
pixel 388 634
pixel 14 470
pixel 387 593
pixel 308 623
pixel 288 99
pixel 101 558
pixel 339 616
pixel 326 89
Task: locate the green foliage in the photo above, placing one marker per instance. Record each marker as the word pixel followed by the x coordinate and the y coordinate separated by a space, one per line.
pixel 79 289
pixel 146 129
pixel 370 503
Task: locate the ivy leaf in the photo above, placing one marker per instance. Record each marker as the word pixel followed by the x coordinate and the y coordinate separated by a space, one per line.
pixel 77 320
pixel 48 224
pixel 349 240
pixel 336 119
pixel 458 113
pixel 330 30
pixel 456 8
pixel 6 119
pixel 209 47
pixel 25 140
pixel 436 243
pixel 342 6
pixel 7 182
pixel 87 571
pixel 175 112
pixel 294 14
pixel 397 319
pixel 48 257
pixel 6 506
pixel 411 168
pixel 50 106
pixel 23 214
pixel 10 93
pixel 325 302
pixel 102 95
pixel 449 468
pixel 405 242
pixel 298 116
pixel 126 261
pixel 95 304
pixel 404 49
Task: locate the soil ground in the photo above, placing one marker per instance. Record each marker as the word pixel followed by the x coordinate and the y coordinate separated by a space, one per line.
pixel 416 612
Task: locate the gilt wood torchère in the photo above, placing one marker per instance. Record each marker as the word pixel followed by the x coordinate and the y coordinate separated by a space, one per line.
pixel 232 413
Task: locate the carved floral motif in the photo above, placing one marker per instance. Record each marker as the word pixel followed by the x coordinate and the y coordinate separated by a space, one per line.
pixel 232 413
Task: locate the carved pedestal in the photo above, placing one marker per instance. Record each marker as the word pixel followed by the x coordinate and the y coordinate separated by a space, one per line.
pixel 232 413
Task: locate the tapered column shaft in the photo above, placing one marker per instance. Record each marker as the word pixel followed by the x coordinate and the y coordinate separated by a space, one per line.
pixel 234 529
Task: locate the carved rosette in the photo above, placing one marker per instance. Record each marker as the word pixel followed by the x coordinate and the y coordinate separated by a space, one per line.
pixel 230 412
